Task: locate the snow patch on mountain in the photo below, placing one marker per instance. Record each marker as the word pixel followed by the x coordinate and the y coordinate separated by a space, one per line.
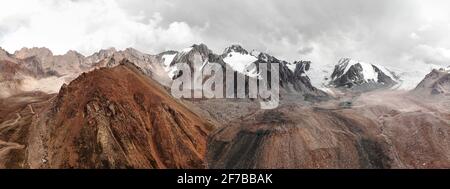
pixel 368 71
pixel 291 66
pixel 167 60
pixel 242 63
pixel 363 76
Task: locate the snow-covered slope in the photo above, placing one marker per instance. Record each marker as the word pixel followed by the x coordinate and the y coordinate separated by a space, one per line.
pixel 240 60
pixel 167 60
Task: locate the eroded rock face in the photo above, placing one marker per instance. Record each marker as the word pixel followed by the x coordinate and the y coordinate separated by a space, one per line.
pixel 117 118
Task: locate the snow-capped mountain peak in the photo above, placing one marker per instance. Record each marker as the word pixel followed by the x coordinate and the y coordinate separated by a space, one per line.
pixel 240 60
pixel 349 72
pixel 236 49
pixel 346 64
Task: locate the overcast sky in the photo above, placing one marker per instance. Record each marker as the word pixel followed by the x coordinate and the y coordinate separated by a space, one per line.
pixel 395 33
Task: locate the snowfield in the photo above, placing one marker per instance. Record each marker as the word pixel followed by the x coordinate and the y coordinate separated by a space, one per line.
pixel 167 59
pixel 242 63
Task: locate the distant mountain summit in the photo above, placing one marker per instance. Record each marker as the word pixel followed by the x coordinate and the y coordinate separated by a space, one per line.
pixel 349 73
pixel 435 83
pixel 163 67
pixel 236 49
pixel 293 76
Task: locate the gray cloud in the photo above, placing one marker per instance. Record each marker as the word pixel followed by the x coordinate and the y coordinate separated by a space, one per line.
pixel 372 30
pixel 402 34
pixel 408 36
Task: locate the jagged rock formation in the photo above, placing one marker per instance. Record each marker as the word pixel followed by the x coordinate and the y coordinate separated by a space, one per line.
pixel 349 73
pixel 116 118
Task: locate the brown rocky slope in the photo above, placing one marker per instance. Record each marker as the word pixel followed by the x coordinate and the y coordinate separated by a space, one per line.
pixel 116 118
pixel 382 130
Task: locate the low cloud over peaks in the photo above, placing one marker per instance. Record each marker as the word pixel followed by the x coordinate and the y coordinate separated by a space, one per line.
pixel 87 26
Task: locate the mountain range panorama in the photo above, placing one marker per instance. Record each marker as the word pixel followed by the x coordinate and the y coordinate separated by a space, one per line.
pixel 113 109
pixel 39 69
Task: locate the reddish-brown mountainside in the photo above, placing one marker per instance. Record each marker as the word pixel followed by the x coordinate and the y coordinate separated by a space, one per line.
pixel 382 130
pixel 116 118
